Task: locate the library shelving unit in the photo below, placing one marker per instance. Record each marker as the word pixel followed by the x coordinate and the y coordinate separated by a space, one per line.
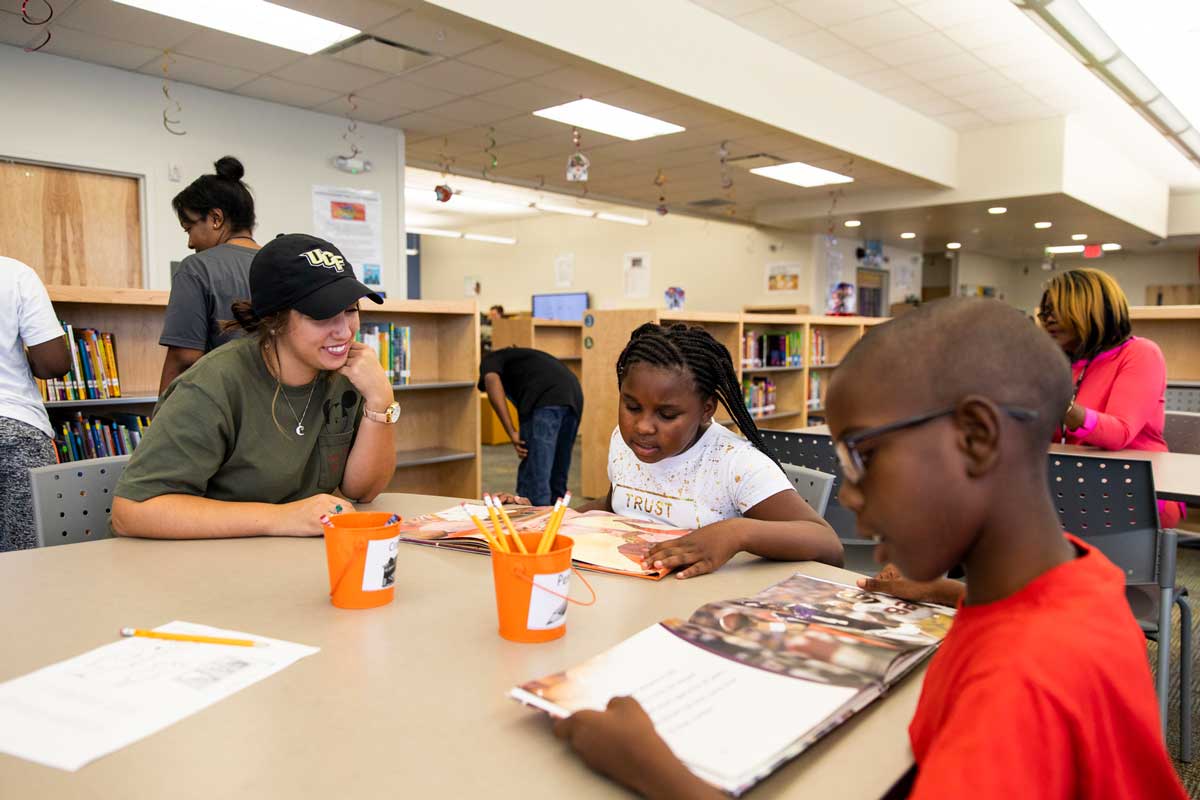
pixel 1176 330
pixel 836 335
pixel 780 308
pixel 559 338
pixel 437 438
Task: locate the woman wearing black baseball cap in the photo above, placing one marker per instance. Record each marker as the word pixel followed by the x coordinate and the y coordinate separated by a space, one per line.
pixel 253 439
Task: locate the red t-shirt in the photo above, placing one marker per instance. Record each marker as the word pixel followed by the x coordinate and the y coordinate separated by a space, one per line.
pixel 1044 694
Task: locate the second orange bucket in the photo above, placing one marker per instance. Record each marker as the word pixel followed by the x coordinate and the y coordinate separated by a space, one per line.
pixel 531 590
pixel 361 552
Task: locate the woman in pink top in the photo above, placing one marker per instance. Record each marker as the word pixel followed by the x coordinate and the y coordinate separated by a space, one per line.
pixel 1120 379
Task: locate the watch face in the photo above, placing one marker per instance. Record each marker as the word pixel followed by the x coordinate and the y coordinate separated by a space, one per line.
pixel 393 412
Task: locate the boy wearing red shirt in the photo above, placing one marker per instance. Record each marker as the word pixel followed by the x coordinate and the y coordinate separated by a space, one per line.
pixel 1042 688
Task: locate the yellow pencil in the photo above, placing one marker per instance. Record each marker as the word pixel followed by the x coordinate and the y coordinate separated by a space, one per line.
pixel 548 532
pixel 497 528
pixel 183 637
pixel 556 523
pixel 508 524
pixel 492 541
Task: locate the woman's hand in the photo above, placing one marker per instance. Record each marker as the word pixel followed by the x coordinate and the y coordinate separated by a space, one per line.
pixel 1075 417
pixel 701 551
pixel 943 591
pixel 303 517
pixel 363 370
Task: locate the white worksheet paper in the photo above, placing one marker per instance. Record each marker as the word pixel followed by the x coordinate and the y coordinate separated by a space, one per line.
pixel 73 712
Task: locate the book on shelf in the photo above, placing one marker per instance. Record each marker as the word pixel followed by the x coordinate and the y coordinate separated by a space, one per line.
pixel 744 685
pixel 772 349
pixel 604 542
pixel 393 346
pixel 759 395
pixel 94 372
pixel 817 351
pixel 80 437
pixel 814 390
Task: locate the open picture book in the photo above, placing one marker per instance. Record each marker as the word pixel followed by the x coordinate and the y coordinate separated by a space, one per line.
pixel 744 685
pixel 603 542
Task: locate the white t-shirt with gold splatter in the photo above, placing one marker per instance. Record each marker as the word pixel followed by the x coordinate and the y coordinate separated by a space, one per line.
pixel 719 477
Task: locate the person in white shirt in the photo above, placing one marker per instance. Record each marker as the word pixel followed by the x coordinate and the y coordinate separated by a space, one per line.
pixel 668 461
pixel 31 345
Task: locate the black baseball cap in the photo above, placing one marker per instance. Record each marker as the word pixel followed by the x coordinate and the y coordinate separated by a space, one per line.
pixel 295 270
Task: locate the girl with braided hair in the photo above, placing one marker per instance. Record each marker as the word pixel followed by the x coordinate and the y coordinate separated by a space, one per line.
pixel 668 461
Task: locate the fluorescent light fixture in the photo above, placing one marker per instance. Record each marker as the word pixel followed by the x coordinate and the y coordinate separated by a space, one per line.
pixel 603 118
pixel 852 223
pixel 410 251
pixel 254 19
pixel 997 210
pixel 1065 248
pixel 1110 247
pixel 800 174
pixel 607 217
pixel 953 245
pixel 1079 237
pixel 572 210
pixel 1041 226
pixel 483 237
pixel 434 232
pixel 908 235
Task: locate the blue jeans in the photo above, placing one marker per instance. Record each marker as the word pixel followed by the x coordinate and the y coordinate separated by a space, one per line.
pixel 550 436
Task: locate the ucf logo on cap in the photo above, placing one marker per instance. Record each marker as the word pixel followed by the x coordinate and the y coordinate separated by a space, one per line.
pixel 323 258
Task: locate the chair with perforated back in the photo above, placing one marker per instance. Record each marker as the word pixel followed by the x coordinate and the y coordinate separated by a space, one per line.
pixel 812 485
pixel 1182 432
pixel 1110 502
pixel 72 502
pixel 1183 397
pixel 816 452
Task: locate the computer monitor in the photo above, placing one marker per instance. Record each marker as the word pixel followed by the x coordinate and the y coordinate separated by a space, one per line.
pixel 569 306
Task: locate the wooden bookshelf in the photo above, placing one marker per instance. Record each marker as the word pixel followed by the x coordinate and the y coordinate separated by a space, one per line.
pixel 560 339
pixel 437 438
pixel 1176 330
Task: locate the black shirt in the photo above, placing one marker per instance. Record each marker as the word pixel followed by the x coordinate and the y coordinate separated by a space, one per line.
pixel 533 379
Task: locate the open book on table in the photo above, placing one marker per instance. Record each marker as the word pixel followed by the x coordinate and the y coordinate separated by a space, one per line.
pixel 744 685
pixel 603 542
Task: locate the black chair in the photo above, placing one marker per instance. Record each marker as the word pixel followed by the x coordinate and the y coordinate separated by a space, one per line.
pixel 1110 503
pixel 815 451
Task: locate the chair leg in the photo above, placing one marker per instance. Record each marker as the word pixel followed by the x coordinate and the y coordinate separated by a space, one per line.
pixel 1185 678
pixel 1164 655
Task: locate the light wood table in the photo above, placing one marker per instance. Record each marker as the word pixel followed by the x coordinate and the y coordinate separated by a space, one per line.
pixel 408 700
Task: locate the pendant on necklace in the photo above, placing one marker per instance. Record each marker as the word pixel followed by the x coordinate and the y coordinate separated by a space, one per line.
pixel 299 430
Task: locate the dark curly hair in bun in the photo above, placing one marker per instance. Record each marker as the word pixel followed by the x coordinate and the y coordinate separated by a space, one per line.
pixel 224 190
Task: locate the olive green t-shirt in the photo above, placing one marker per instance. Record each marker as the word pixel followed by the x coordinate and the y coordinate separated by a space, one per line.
pixel 213 435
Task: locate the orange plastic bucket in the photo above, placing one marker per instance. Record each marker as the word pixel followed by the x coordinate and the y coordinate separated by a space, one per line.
pixel 361 552
pixel 531 590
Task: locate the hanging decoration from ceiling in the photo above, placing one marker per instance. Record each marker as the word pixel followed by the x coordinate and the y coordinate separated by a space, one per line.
pixel 30 20
pixel 834 196
pixel 490 151
pixel 660 180
pixel 726 178
pixel 351 136
pixel 442 192
pixel 171 101
pixel 577 163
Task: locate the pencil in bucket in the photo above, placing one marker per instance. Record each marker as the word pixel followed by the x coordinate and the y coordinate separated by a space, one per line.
pixel 361 549
pixel 532 583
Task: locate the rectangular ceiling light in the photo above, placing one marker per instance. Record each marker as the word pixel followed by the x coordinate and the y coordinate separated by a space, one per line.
pixel 607 217
pixel 603 118
pixel 801 174
pixel 433 232
pixel 254 19
pixel 1065 248
pixel 572 210
pixel 483 237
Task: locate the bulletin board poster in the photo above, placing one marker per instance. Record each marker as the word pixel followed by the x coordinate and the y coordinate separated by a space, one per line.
pixel 353 220
pixel 783 277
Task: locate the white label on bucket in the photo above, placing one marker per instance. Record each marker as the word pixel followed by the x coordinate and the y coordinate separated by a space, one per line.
pixel 548 610
pixel 379 571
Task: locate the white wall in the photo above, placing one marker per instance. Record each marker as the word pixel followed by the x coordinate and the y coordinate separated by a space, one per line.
pixel 1133 271
pixel 975 269
pixel 67 112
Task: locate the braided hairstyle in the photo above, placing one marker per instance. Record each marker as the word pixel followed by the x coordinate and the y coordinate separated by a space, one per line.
pixel 695 351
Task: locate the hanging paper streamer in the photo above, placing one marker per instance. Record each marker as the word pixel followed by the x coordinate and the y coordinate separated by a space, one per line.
pixel 29 20
pixel 836 195
pixel 171 101
pixel 490 151
pixel 726 179
pixel 660 180
pixel 351 136
pixel 577 163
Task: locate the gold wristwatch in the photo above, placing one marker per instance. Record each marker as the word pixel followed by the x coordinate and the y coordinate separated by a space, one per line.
pixel 389 416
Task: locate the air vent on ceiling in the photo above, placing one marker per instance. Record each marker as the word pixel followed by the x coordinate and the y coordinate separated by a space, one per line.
pixel 712 202
pixel 754 161
pixel 366 50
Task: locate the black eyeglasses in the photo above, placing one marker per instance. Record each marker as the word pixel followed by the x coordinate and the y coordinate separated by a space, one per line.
pixel 854 466
pixel 1045 315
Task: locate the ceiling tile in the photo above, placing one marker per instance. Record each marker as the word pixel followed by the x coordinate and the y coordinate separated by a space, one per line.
pixel 96 49
pixel 361 14
pixel 236 51
pixel 884 79
pixel 588 82
pixel 202 73
pixel 1019 112
pixel 945 67
pixel 697 115
pixel 993 30
pixel 827 13
pixel 14 31
pixel 329 73
pixel 816 45
pixel 474 111
pixel 914 94
pixel 923 47
pixel 363 109
pixel 436 31
pixel 936 105
pixel 508 58
pixel 127 24
pixel 281 91
pixel 775 23
pixel 960 85
pixel 647 100
pixel 458 78
pixel 525 96
pixel 530 127
pixel 423 122
pixel 995 97
pixel 853 63
pixel 944 13
pixel 405 94
pixel 734 8
pixel 882 28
